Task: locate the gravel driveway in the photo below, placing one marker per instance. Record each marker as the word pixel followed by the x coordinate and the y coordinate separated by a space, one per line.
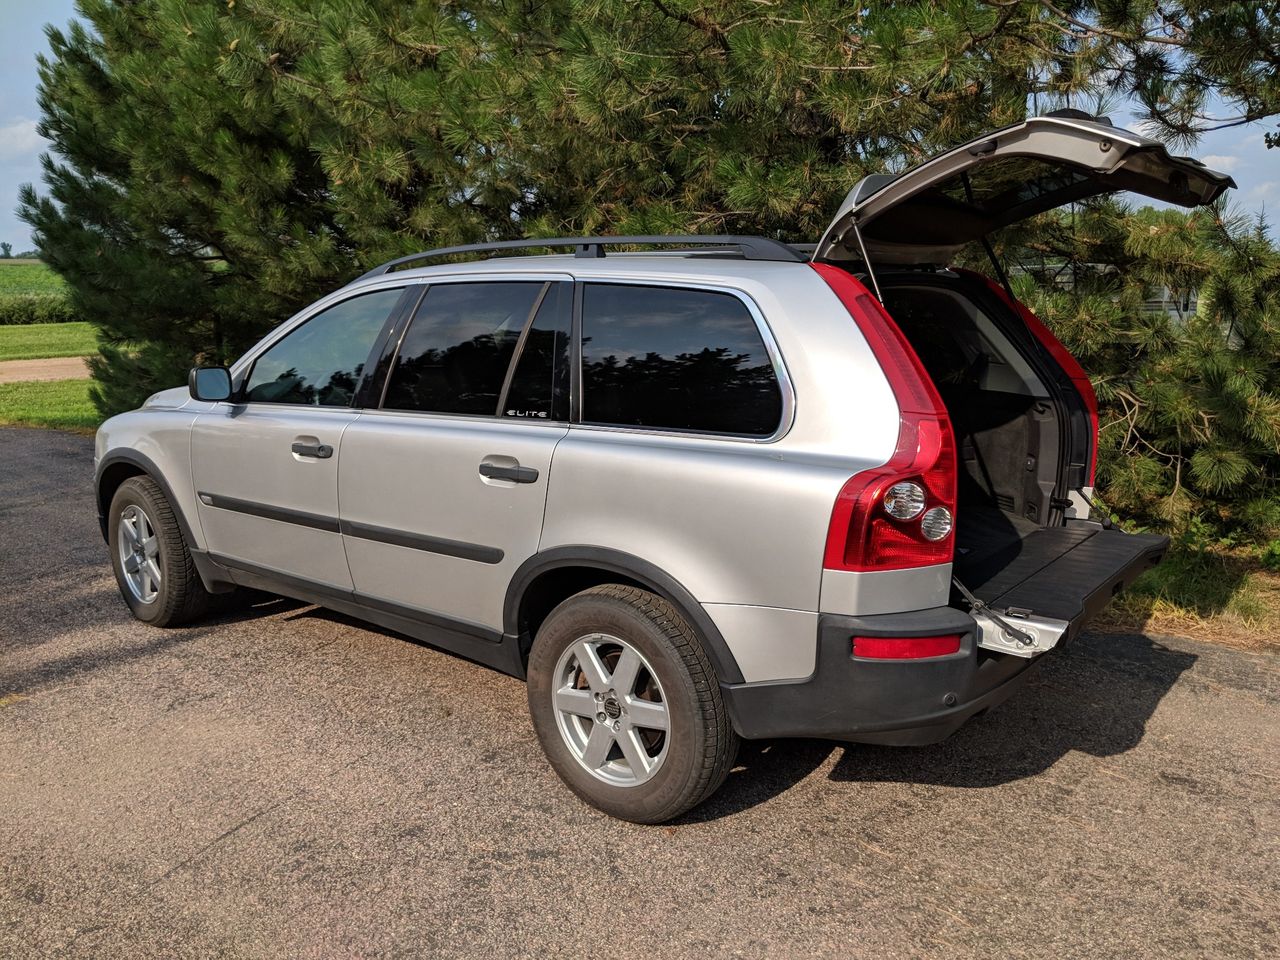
pixel 283 782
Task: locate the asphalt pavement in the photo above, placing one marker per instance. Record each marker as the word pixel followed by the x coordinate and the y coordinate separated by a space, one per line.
pixel 284 782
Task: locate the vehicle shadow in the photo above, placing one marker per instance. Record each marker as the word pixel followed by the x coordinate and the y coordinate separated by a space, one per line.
pixel 1094 697
pixel 108 609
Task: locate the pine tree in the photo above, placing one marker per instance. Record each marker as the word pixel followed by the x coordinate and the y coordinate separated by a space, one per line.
pixel 1190 398
pixel 217 165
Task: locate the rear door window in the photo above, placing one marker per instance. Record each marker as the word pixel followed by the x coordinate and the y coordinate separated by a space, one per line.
pixel 455 354
pixel 539 388
pixel 675 359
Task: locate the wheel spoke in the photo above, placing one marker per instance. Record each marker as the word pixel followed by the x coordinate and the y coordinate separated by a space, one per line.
pixel 624 674
pixel 592 667
pixel 598 744
pixel 635 752
pixel 647 714
pixel 153 572
pixel 150 546
pixel 580 703
pixel 130 528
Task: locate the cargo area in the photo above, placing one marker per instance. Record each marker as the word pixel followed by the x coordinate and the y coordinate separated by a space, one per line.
pixel 1017 546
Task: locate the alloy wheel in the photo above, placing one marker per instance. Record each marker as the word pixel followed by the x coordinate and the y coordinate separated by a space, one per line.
pixel 610 710
pixel 139 554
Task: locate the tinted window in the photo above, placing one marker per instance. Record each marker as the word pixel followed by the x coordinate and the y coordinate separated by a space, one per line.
pixel 680 359
pixel 455 354
pixel 320 362
pixel 540 384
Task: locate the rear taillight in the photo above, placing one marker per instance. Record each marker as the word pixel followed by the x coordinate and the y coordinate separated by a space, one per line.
pixel 905 648
pixel 1069 364
pixel 870 529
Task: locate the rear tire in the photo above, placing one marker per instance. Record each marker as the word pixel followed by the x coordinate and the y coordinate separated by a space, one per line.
pixel 150 557
pixel 626 705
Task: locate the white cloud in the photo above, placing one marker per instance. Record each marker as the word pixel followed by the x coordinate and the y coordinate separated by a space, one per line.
pixel 1220 162
pixel 20 139
pixel 1266 192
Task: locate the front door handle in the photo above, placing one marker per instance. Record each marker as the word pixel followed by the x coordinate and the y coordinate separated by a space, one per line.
pixel 517 473
pixel 321 451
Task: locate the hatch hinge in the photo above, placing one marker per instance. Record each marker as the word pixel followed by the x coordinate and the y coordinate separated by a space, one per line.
pixel 1032 636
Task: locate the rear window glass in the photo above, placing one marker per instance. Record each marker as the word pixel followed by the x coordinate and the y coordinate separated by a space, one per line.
pixel 455 354
pixel 675 359
pixel 1012 181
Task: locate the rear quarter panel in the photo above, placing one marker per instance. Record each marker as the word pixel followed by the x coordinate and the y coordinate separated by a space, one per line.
pixel 741 524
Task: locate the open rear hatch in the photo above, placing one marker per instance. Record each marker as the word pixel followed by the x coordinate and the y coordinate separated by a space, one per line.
pixel 1029 584
pixel 928 213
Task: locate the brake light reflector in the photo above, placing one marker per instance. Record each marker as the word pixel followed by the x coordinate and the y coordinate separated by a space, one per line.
pixel 905 648
pixel 863 533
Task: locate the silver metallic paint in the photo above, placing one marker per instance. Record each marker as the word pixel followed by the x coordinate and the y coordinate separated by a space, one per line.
pixel 740 523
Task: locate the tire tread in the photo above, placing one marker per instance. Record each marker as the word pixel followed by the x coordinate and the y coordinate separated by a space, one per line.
pixel 184 598
pixel 720 743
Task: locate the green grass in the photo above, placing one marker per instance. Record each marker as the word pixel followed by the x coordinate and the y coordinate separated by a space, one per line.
pixel 64 404
pixel 28 276
pixel 35 340
pixel 1220 595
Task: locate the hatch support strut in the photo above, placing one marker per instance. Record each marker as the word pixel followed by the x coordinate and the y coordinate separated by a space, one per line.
pixel 875 284
pixel 986 242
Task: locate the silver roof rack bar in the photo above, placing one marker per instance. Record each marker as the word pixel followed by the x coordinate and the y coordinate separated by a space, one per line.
pixel 751 248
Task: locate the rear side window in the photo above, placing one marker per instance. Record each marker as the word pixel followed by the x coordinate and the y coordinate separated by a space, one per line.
pixel 675 359
pixel 455 354
pixel 320 363
pixel 540 382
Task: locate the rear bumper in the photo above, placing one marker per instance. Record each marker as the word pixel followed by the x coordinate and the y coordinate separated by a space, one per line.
pixel 895 702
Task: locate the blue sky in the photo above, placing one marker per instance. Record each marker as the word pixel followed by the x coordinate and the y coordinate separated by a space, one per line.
pixel 1238 151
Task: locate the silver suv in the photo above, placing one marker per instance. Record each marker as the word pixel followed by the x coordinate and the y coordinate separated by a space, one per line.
pixel 719 489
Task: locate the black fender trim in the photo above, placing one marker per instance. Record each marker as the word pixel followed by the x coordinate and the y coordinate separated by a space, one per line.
pixel 147 466
pixel 643 572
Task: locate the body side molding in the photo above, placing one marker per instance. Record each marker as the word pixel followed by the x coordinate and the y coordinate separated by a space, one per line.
pixel 362 531
pixel 268 512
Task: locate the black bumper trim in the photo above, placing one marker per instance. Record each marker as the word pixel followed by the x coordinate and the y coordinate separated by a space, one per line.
pixel 897 702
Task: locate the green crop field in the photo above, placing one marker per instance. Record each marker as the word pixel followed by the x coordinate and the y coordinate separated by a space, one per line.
pixel 28 276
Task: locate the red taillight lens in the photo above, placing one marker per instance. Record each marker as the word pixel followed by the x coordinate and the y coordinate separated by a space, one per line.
pixel 1069 364
pixel 905 648
pixel 862 535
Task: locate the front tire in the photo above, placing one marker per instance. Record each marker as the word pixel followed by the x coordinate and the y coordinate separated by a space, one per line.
pixel 626 705
pixel 151 560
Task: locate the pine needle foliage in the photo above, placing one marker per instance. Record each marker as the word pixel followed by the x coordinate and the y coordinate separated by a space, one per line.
pixel 1189 392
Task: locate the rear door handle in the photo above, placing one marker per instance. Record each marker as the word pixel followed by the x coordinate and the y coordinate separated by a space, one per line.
pixel 321 451
pixel 517 474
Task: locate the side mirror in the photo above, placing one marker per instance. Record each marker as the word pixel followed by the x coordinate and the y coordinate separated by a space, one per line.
pixel 210 383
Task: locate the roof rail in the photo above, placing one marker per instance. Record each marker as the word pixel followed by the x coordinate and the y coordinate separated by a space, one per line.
pixel 752 248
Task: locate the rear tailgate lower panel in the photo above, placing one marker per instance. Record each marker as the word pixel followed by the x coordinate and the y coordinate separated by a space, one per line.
pixel 1064 573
